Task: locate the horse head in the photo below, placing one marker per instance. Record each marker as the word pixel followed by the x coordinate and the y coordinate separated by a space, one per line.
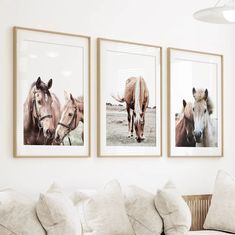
pixel 139 122
pixel 41 107
pixel 72 114
pixel 189 123
pixel 200 113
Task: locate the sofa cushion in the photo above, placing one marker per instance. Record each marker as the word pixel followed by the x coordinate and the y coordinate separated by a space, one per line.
pixel 57 213
pixel 103 213
pixel 221 214
pixel 141 211
pixel 207 232
pixel 173 210
pixel 18 215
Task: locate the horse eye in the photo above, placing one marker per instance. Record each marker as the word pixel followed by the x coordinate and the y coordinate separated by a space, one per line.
pixel 205 111
pixel 193 109
pixel 70 114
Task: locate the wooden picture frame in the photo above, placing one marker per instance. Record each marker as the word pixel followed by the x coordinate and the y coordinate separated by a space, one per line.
pixel 121 65
pixel 51 94
pixel 195 103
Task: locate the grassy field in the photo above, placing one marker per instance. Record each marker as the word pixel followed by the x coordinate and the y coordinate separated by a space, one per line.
pixel 117 127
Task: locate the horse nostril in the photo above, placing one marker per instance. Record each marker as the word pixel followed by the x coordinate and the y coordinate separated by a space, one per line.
pixel 58 137
pixel 50 133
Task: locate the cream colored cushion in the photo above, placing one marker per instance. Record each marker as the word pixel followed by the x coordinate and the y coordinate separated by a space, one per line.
pixel 207 232
pixel 173 210
pixel 221 214
pixel 104 212
pixel 18 215
pixel 57 213
pixel 142 213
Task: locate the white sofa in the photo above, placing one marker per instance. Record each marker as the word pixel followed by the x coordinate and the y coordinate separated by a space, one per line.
pixel 113 211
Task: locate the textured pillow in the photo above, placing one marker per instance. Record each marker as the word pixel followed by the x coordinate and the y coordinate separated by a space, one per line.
pixel 104 212
pixel 173 210
pixel 221 214
pixel 18 215
pixel 142 213
pixel 57 213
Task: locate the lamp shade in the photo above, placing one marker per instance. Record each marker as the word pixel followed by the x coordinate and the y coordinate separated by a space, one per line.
pixel 217 15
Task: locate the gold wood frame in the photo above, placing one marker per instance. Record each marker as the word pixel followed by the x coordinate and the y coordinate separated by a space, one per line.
pixel 169 49
pixel 99 98
pixel 15 29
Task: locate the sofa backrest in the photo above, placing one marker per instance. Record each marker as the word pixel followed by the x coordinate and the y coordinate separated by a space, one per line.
pixel 199 206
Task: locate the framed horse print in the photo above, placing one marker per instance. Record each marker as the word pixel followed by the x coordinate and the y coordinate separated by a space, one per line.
pixel 195 106
pixel 51 89
pixel 129 99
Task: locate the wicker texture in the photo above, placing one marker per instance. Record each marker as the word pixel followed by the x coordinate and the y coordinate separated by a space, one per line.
pixel 199 206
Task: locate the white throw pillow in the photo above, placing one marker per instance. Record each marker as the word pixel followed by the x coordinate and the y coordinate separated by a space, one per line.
pixel 104 212
pixel 18 215
pixel 57 213
pixel 174 211
pixel 142 213
pixel 221 214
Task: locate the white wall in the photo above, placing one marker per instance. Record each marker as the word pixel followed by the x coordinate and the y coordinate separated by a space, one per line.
pixel 165 23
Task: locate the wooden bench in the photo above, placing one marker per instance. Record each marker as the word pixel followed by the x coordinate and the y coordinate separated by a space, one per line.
pixel 199 206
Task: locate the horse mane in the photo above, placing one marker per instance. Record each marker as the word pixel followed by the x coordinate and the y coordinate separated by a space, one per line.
pixel 187 111
pixel 137 98
pixel 200 95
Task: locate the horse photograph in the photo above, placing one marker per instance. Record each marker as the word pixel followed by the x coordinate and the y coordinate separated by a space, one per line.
pixel 130 106
pixel 53 94
pixel 195 104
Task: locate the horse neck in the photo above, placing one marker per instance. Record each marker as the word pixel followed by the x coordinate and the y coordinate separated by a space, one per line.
pixel 208 132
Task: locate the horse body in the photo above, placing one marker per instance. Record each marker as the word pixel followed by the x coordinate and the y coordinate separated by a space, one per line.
pixel 72 115
pixel 136 97
pixel 184 128
pixel 204 129
pixel 41 114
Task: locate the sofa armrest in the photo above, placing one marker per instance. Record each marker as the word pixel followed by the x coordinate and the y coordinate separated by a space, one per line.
pixel 199 206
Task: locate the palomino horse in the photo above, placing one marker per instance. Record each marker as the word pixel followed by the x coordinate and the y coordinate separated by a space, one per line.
pixel 184 128
pixel 136 96
pixel 41 114
pixel 72 114
pixel 204 129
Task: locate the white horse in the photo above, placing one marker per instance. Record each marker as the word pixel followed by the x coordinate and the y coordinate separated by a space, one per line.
pixel 204 127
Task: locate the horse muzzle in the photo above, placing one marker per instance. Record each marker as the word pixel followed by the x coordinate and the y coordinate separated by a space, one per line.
pixel 49 134
pixel 198 136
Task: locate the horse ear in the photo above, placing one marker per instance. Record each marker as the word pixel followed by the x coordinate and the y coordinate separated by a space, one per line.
pixel 71 97
pixel 38 83
pixel 49 84
pixel 66 96
pixel 184 103
pixel 194 90
pixel 206 94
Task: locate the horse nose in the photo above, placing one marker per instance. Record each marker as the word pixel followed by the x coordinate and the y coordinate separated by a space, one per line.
pixel 50 133
pixel 198 135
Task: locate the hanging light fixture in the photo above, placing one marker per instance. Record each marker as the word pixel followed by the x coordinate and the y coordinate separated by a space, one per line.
pixel 219 14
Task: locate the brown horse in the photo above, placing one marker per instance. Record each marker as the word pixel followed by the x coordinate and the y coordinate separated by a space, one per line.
pixel 72 114
pixel 41 114
pixel 136 96
pixel 184 128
